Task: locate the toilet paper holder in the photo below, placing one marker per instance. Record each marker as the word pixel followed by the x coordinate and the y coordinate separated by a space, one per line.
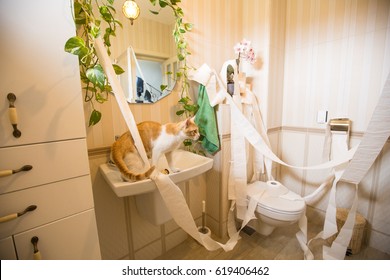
pixel 340 124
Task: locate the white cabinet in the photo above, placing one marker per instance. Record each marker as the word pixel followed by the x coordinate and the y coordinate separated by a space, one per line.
pixel 7 251
pixel 73 237
pixel 49 110
pixel 50 162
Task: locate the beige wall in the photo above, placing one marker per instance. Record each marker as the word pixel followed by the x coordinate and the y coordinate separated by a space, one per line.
pixel 337 57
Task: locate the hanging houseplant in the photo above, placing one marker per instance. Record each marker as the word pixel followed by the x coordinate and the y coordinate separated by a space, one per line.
pixel 89 26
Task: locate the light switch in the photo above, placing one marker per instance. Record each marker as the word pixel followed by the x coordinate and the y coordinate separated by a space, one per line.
pixel 322 116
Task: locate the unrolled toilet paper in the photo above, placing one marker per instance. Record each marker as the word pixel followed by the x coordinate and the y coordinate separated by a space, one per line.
pixel 172 195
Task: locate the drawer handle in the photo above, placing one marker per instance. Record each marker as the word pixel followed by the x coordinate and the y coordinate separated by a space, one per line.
pixel 37 253
pixel 13 116
pixel 8 172
pixel 17 215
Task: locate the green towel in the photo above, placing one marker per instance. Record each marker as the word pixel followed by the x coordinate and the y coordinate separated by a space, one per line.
pixel 207 123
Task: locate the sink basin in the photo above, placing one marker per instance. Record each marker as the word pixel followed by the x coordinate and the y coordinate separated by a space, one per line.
pixel 190 165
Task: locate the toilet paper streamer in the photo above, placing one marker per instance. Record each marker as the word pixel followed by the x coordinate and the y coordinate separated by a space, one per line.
pixel 105 62
pixel 171 194
pixel 342 156
pixel 375 137
pixel 131 55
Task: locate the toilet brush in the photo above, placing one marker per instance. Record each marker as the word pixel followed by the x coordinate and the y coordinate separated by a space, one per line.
pixel 203 228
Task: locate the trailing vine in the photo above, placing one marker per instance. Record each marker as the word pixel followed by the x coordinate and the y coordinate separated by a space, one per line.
pixel 188 108
pixel 89 27
pixel 179 30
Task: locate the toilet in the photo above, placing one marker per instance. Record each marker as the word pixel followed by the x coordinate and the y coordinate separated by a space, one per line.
pixel 277 206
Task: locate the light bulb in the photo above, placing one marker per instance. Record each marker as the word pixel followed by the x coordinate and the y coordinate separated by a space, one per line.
pixel 131 10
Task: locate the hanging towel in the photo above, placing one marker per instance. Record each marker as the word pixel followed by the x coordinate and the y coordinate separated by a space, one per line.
pixel 207 123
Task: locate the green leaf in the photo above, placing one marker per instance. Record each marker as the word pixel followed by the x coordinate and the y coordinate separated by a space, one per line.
pixel 181 56
pixel 153 2
pixel 75 45
pixel 190 108
pixel 154 12
pixel 106 15
pixel 184 100
pixel 162 3
pixel 188 26
pixel 96 76
pixel 163 87
pixel 118 70
pixel 180 12
pixel 79 14
pixel 95 30
pixel 95 117
pixel 187 142
pixel 119 23
pixel 182 45
pixel 180 112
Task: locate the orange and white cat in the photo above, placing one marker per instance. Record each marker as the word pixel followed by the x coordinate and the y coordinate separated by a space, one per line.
pixel 158 140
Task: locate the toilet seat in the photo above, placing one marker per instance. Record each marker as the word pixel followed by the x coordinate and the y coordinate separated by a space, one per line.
pixel 276 201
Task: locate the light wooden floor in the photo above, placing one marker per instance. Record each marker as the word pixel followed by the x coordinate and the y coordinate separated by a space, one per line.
pixel 280 245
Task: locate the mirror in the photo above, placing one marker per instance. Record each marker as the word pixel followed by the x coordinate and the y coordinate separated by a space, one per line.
pixel 150 62
pixel 144 75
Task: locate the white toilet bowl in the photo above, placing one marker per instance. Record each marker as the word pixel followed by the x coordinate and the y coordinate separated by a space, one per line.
pixel 277 206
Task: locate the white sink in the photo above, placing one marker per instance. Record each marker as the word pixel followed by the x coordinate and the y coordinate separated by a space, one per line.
pixel 190 165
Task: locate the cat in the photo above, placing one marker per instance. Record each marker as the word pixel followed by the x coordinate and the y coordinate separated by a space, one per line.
pixel 157 139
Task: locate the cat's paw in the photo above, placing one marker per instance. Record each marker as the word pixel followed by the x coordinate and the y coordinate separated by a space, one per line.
pixel 175 170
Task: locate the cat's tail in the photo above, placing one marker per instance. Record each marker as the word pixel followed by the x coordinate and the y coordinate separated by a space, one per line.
pixel 137 177
pixel 117 158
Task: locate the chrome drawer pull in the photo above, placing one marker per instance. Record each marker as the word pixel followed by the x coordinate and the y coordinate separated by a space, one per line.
pixel 13 116
pixel 8 172
pixel 37 253
pixel 16 215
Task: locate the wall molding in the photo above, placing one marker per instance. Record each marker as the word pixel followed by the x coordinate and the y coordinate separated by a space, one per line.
pixel 101 151
pixel 359 134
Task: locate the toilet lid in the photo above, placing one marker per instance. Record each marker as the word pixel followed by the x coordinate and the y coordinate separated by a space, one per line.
pixel 277 198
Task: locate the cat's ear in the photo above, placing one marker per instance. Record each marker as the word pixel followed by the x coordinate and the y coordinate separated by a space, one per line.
pixel 189 121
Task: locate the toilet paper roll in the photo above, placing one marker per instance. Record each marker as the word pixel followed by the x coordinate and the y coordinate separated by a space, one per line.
pixel 273 183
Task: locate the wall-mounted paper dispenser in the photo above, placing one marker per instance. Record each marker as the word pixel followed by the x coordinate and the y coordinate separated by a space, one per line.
pixel 340 124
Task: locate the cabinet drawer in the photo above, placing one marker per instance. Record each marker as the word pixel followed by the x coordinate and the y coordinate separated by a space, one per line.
pixel 53 202
pixel 51 162
pixel 7 249
pixel 72 238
